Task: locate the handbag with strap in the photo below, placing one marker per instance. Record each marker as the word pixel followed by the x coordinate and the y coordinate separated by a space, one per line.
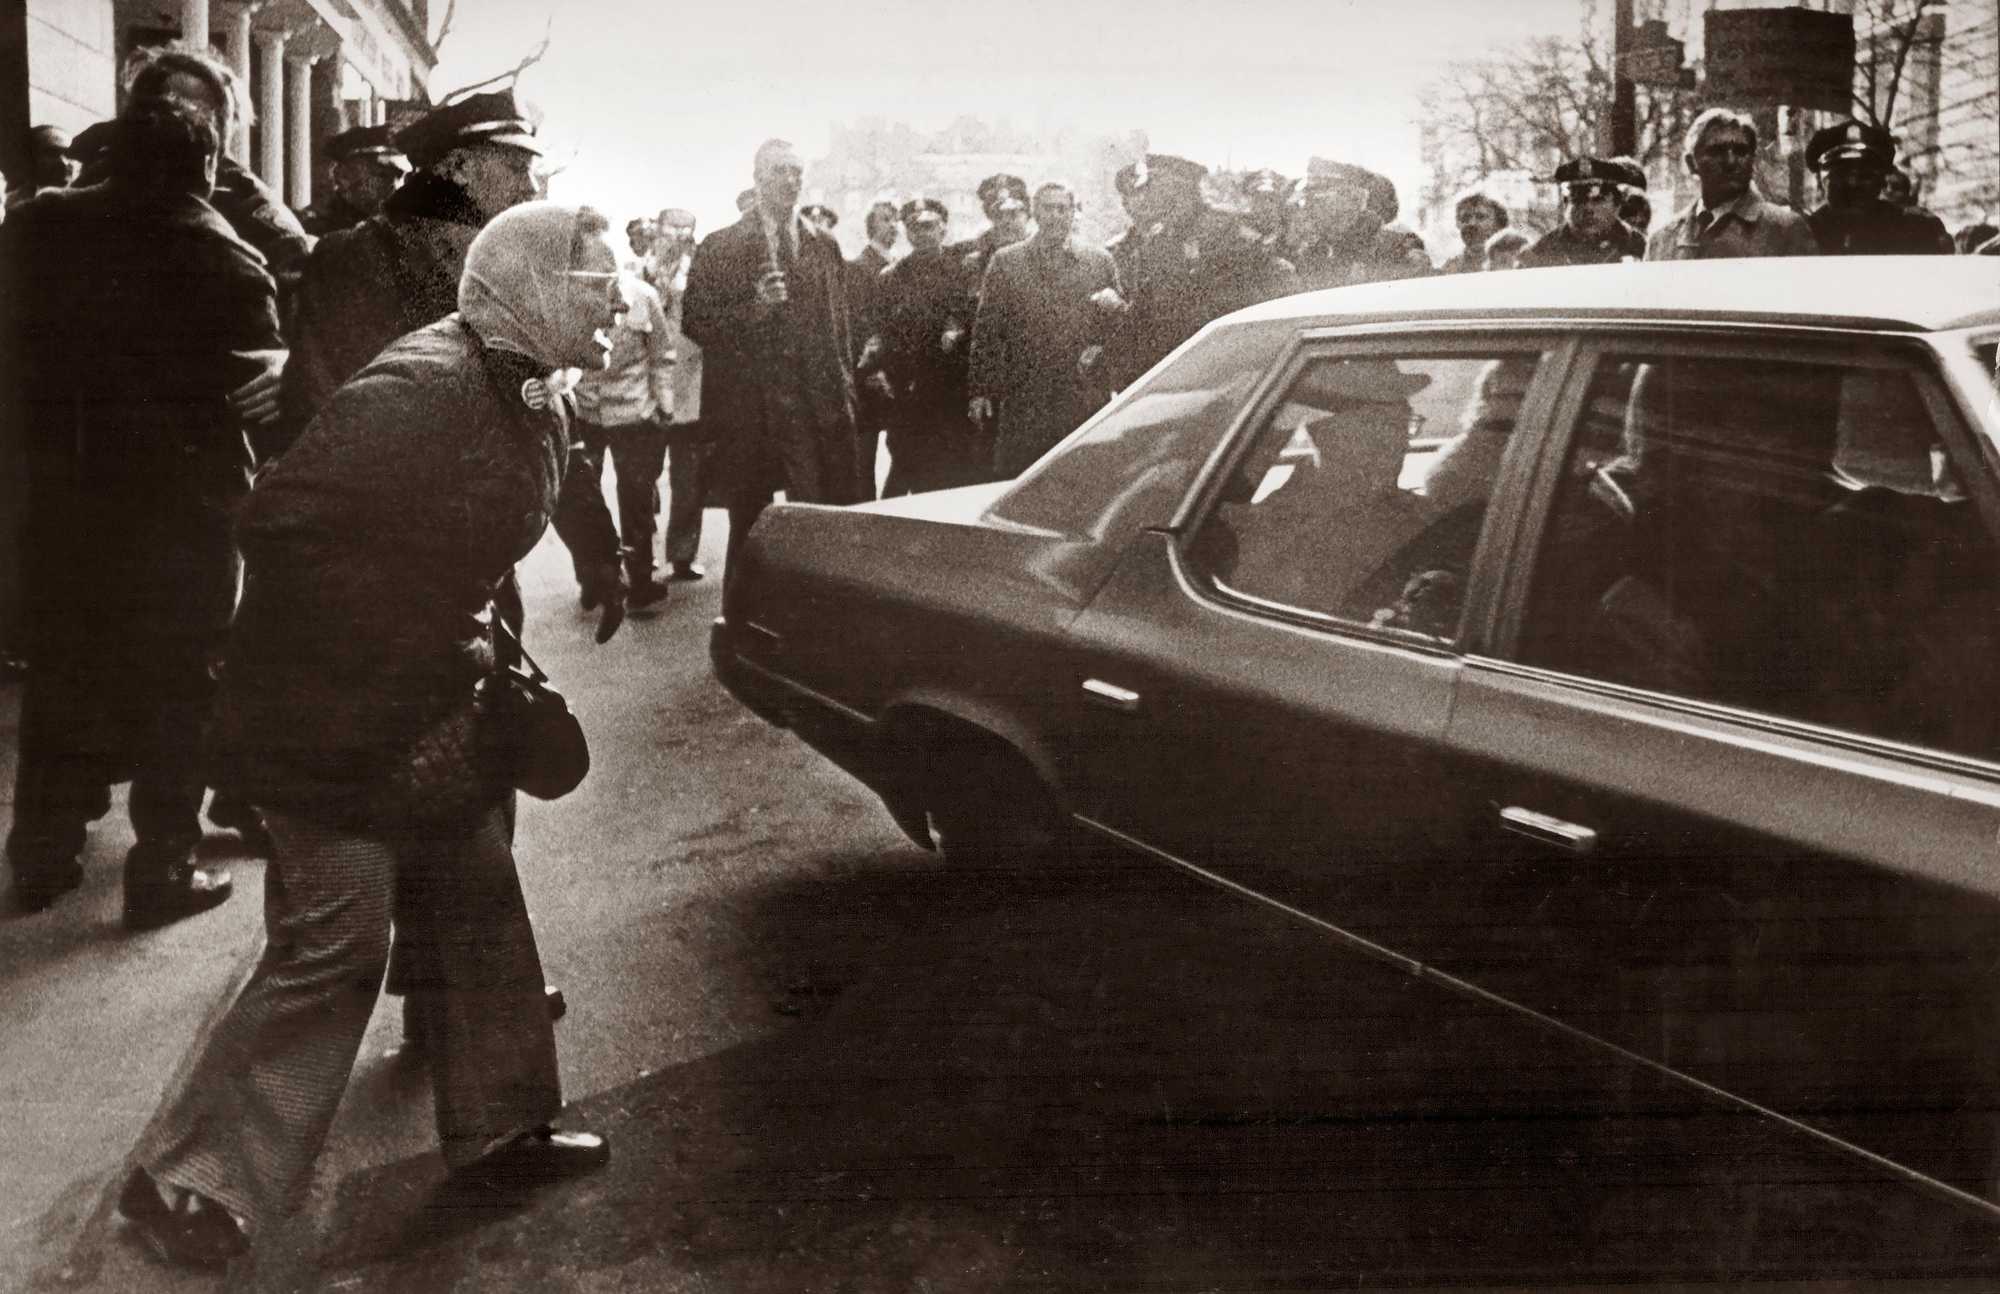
pixel 538 744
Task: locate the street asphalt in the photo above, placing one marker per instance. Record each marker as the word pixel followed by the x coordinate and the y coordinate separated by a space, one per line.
pixel 828 1062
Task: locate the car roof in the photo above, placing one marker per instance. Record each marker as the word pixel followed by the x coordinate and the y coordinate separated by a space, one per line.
pixel 1899 293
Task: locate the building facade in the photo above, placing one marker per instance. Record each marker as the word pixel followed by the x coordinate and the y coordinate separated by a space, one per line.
pixel 309 68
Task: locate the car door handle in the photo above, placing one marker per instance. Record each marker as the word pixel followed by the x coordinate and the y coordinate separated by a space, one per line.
pixel 1548 830
pixel 1122 699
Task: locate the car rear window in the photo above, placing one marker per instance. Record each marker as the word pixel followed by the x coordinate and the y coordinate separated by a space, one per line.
pixel 1128 467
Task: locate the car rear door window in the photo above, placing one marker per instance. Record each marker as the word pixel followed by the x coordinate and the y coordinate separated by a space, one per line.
pixel 1775 535
pixel 1361 496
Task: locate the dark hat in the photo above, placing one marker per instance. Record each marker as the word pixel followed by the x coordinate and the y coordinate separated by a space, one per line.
pixel 1166 166
pixel 1323 173
pixel 92 141
pixel 820 211
pixel 1590 170
pixel 490 118
pixel 923 208
pixel 374 142
pixel 1850 141
pixel 997 191
pixel 1630 173
pixel 1357 381
pixel 1266 182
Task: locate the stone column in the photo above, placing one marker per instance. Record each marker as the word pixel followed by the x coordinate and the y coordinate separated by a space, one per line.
pixel 271 108
pixel 194 23
pixel 298 131
pixel 236 44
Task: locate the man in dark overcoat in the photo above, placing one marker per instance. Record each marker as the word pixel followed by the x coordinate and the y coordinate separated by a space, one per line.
pixel 767 303
pixel 133 313
pixel 1036 370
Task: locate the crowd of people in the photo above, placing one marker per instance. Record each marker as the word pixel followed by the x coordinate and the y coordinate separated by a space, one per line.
pixel 270 473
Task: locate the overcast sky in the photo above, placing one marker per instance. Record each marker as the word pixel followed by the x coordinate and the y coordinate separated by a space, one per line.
pixel 652 107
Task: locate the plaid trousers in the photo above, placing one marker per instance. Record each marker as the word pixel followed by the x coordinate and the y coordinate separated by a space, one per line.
pixel 258 1102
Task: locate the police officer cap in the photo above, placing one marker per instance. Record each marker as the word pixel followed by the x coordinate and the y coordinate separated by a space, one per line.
pixel 1166 166
pixel 917 209
pixel 998 191
pixel 491 117
pixel 1629 172
pixel 1589 170
pixel 1264 182
pixel 1323 173
pixel 1850 141
pixel 820 211
pixel 375 143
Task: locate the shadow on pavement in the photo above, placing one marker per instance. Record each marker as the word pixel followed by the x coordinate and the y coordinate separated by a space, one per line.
pixel 1115 1078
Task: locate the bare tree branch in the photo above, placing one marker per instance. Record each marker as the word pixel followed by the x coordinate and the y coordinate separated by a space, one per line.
pixel 444 28
pixel 513 73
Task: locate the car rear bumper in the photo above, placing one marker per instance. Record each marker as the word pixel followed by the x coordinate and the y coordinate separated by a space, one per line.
pixel 849 738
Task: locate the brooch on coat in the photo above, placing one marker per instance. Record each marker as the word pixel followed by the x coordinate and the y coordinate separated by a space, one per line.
pixel 535 394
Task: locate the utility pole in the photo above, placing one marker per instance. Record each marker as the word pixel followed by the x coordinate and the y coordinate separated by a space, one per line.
pixel 1624 134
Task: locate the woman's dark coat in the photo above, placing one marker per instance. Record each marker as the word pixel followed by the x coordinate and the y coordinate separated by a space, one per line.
pixel 374 550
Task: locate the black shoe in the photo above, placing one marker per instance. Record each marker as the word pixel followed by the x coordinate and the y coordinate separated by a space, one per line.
pixel 588 598
pixel 534 1158
pixel 197 1233
pixel 37 886
pixel 159 893
pixel 686 571
pixel 646 593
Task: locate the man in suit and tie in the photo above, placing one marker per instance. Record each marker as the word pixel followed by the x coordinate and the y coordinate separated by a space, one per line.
pixel 767 303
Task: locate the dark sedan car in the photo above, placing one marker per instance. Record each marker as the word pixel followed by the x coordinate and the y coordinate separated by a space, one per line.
pixel 1618 645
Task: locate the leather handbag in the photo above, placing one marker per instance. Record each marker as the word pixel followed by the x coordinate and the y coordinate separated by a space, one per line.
pixel 538 744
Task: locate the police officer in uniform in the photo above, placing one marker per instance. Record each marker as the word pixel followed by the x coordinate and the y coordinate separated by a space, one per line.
pixel 1855 220
pixel 922 347
pixel 1591 232
pixel 1265 194
pixel 1004 199
pixel 1346 232
pixel 367 167
pixel 1182 263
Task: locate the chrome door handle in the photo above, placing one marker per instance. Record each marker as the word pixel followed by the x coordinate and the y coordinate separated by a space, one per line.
pixel 1122 699
pixel 1548 830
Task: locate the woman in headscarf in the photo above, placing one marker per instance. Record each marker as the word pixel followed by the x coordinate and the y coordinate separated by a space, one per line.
pixel 376 552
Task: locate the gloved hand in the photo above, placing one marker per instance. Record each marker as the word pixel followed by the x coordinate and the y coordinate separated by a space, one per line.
pixel 605 590
pixel 613 614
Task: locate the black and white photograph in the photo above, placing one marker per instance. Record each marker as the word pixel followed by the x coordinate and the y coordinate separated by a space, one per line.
pixel 909 648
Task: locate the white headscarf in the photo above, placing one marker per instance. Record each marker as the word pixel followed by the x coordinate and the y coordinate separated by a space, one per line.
pixel 513 288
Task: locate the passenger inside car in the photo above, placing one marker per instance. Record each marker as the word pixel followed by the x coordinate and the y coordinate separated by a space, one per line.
pixel 1803 552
